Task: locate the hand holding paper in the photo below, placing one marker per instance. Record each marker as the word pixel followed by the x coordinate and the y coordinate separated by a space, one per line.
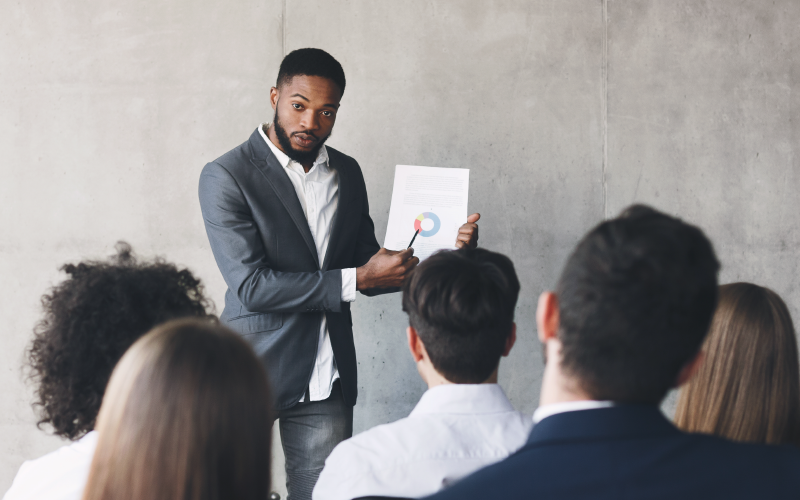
pixel 468 233
pixel 432 201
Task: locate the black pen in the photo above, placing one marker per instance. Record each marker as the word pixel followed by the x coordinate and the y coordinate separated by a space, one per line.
pixel 412 239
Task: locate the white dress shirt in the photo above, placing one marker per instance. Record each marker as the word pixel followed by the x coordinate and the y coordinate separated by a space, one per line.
pixel 545 411
pixel 60 475
pixel 454 430
pixel 318 192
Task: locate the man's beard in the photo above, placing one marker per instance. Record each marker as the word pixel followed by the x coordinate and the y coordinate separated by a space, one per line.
pixel 288 148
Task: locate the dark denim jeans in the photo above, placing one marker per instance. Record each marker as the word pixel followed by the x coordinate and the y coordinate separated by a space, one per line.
pixel 309 433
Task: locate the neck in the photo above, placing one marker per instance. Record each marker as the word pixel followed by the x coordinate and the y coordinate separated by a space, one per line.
pixel 557 387
pixel 433 378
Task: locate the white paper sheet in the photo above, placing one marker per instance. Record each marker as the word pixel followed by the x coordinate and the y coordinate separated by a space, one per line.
pixel 429 198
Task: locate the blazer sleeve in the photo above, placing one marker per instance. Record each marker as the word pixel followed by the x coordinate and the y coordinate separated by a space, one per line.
pixel 240 255
pixel 366 243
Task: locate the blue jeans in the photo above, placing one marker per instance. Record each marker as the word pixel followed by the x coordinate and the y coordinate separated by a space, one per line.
pixel 309 433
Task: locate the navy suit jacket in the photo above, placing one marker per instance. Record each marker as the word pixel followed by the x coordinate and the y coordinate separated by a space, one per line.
pixel 631 452
pixel 278 289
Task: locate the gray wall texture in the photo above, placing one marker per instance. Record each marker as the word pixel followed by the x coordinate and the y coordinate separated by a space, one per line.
pixel 565 111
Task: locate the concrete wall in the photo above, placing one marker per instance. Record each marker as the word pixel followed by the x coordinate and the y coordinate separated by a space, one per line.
pixel 565 111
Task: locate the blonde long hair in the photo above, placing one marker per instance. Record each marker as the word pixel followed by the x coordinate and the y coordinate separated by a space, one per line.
pixel 186 416
pixel 748 387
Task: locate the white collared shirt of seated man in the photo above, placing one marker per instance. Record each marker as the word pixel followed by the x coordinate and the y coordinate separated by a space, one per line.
pixel 455 430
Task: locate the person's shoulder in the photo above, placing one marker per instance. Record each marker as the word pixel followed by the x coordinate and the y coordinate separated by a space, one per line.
pixel 696 463
pixel 506 479
pixel 524 420
pixel 235 157
pixel 376 445
pixel 773 461
pixel 739 470
pixel 58 475
pixel 357 463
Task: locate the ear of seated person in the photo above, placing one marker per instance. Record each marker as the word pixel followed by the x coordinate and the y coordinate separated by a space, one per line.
pixel 460 306
pixel 625 324
pixel 748 387
pixel 90 320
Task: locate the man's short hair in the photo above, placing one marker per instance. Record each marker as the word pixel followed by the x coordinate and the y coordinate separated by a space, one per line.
pixel 311 62
pixel 461 303
pixel 636 299
pixel 90 320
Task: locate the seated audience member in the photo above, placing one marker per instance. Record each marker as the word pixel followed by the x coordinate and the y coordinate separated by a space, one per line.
pixel 625 324
pixel 460 307
pixel 748 386
pixel 185 416
pixel 90 319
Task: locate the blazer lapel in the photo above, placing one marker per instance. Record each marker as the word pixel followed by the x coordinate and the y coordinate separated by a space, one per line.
pixel 344 203
pixel 276 177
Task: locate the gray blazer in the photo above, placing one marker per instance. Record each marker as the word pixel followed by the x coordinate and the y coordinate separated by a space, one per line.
pixel 277 288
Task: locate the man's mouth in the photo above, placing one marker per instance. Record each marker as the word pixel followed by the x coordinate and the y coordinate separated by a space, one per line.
pixel 304 140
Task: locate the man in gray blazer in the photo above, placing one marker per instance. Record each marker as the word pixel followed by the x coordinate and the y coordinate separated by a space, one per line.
pixel 288 222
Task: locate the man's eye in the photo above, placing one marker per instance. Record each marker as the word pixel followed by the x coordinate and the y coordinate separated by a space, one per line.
pixel 296 106
pixel 327 113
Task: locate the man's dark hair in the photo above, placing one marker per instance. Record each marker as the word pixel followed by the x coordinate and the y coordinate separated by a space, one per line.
pixel 311 62
pixel 461 303
pixel 636 299
pixel 89 322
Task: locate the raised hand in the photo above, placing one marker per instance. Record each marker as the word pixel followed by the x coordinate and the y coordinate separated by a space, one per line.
pixel 468 233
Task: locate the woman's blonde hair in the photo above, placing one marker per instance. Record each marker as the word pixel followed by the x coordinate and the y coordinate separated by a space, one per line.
pixel 186 416
pixel 748 387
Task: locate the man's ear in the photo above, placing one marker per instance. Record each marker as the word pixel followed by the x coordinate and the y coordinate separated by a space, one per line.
pixel 414 344
pixel 690 369
pixel 273 97
pixel 547 319
pixel 512 338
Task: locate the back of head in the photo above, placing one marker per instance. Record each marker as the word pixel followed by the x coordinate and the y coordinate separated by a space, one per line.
pixel 186 415
pixel 311 62
pixel 748 388
pixel 90 320
pixel 461 303
pixel 635 301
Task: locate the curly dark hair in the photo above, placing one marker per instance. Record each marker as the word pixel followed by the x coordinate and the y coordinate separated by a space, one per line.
pixel 90 320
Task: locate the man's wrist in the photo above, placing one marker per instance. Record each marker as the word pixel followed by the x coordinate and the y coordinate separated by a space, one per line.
pixel 362 278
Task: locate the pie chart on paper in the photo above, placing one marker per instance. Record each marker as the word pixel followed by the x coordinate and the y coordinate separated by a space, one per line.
pixel 427 223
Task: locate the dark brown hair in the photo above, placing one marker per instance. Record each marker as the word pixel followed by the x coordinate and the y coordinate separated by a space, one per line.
pixel 635 301
pixel 186 416
pixel 461 303
pixel 748 387
pixel 90 320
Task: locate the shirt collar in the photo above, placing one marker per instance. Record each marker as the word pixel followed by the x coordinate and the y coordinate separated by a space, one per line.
pixel 554 408
pixel 463 399
pixel 283 159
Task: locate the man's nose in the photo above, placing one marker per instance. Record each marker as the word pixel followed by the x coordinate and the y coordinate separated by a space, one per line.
pixel 309 121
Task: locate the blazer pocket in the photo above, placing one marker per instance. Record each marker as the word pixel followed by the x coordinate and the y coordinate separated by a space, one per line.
pixel 256 322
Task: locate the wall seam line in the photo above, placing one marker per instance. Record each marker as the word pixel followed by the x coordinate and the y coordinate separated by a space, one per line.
pixel 605 108
pixel 283 28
